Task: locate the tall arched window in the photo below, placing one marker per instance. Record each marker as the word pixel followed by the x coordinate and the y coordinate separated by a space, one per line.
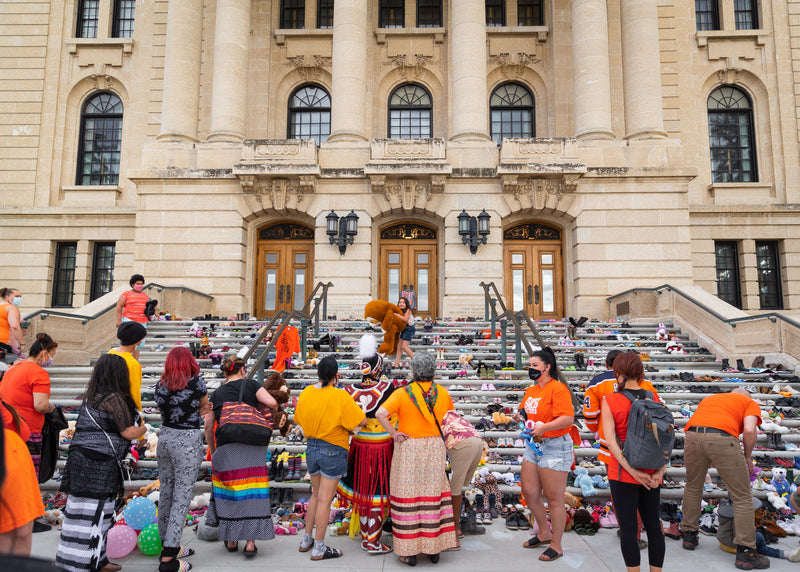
pixel 512 110
pixel 100 140
pixel 309 114
pixel 410 113
pixel 730 132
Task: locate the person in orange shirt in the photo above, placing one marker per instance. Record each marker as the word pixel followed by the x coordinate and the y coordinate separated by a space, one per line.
pixel 549 403
pixel 421 502
pixel 635 493
pixel 712 436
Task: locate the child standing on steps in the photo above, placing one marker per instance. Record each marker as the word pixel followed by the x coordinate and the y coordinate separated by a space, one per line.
pixel 408 333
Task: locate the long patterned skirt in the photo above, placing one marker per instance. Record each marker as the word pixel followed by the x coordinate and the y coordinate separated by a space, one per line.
pixel 421 509
pixel 82 546
pixel 241 492
pixel 366 484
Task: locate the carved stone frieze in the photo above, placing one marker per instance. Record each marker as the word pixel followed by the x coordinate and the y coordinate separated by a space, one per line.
pixel 512 65
pixel 309 67
pixel 410 66
pixel 101 80
pixel 537 193
pixel 728 75
pixel 279 193
pixel 406 194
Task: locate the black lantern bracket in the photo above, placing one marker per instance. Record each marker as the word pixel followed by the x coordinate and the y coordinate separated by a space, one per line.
pixel 342 230
pixel 473 230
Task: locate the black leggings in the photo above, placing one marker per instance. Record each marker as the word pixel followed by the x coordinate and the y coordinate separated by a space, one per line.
pixel 627 499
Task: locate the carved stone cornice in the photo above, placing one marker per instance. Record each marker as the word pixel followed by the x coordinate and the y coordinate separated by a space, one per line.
pixel 410 66
pixel 309 67
pixel 407 193
pixel 512 65
pixel 536 193
pixel 279 194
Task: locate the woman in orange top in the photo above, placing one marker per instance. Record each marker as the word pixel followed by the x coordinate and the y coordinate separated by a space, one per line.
pixel 633 491
pixel 549 403
pixel 20 498
pixel 10 325
pixel 421 503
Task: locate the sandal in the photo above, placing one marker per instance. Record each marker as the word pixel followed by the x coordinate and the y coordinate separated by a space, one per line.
pixel 434 558
pixel 250 553
pixel 330 552
pixel 410 560
pixel 232 549
pixel 185 552
pixel 382 550
pixel 173 565
pixel 549 555
pixel 533 542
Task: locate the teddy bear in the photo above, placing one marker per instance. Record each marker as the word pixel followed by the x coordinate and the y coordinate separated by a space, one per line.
pixel 780 482
pixel 584 481
pixel 383 313
pixel 276 387
pixel 152 444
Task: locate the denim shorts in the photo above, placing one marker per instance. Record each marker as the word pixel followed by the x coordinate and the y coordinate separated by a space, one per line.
pixel 557 453
pixel 322 457
pixel 408 333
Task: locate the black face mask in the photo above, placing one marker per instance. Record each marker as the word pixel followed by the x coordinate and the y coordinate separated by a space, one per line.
pixel 534 374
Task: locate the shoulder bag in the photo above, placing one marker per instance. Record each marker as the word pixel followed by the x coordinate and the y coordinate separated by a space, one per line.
pixel 243 423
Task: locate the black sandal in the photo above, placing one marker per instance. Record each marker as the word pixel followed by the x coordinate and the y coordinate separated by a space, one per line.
pixel 410 560
pixel 234 549
pixel 330 552
pixel 434 558
pixel 250 553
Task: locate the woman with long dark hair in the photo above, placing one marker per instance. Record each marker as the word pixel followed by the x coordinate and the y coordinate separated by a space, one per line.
pixel 93 479
pixel 327 414
pixel 182 400
pixel 634 491
pixel 408 333
pixel 366 483
pixel 547 402
pixel 26 387
pixel 240 481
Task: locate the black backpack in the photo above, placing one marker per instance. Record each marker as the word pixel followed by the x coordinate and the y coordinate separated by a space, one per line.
pixel 651 433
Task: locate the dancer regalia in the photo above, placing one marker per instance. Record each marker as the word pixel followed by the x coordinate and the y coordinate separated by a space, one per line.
pixel 367 482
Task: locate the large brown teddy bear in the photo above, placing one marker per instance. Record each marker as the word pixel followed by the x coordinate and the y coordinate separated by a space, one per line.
pixel 276 387
pixel 384 313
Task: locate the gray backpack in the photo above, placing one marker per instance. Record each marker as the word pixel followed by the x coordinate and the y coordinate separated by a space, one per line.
pixel 651 433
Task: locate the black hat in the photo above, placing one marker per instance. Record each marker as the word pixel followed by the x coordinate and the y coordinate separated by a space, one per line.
pixel 130 333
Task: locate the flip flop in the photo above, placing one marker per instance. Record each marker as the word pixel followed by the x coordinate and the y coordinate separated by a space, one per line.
pixel 382 550
pixel 549 555
pixel 533 542
pixel 330 552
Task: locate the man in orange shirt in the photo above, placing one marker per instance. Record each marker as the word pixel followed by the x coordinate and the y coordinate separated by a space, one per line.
pixel 712 436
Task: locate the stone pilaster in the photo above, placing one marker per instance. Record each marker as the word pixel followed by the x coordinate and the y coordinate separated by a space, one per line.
pixel 349 67
pixel 470 105
pixel 182 71
pixel 591 69
pixel 231 53
pixel 644 118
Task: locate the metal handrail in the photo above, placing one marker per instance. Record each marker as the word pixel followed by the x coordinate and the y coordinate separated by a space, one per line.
pixel 45 313
pixel 772 316
pixel 286 317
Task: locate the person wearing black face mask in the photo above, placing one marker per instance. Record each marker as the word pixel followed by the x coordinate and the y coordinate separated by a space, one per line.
pixel 548 402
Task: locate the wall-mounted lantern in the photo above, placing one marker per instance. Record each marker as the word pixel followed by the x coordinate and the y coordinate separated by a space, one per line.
pixel 473 231
pixel 342 230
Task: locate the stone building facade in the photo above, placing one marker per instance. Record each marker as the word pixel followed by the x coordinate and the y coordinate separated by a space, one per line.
pixel 612 144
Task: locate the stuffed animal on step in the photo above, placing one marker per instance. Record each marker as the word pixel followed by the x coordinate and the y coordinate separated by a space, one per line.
pixel 144 491
pixel 152 444
pixel 777 501
pixel 782 486
pixel 600 482
pixel 383 313
pixel 661 333
pixel 674 348
pixel 584 481
pixel 276 387
pixel 200 501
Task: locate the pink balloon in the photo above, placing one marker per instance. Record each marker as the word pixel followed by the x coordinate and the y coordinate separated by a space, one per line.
pixel 121 541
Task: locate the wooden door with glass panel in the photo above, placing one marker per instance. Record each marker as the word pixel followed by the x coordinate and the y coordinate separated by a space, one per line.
pixel 284 268
pixel 408 258
pixel 534 271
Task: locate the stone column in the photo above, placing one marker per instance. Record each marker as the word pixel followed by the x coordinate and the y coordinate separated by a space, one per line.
pixel 591 69
pixel 231 53
pixel 470 100
pixel 181 100
pixel 349 68
pixel 641 71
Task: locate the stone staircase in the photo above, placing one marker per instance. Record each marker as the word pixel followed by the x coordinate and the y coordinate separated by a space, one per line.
pixel 472 395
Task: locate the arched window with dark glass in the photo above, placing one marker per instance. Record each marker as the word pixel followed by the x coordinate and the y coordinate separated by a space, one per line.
pixel 512 110
pixel 309 114
pixel 100 140
pixel 410 113
pixel 730 132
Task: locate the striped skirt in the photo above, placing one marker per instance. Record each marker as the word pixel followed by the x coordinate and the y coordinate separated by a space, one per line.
pixel 241 492
pixel 82 545
pixel 366 483
pixel 421 509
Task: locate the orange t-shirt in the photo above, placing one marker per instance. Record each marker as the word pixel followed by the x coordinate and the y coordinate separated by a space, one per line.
pixel 134 306
pixel 724 411
pixel 5 327
pixel 17 389
pixel 547 403
pixel 9 423
pixel 22 501
pixel 410 420
pixel 620 407
pixel 594 400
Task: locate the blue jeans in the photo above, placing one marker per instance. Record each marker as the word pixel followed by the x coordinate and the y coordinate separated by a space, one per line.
pixel 329 460
pixel 762 548
pixel 408 333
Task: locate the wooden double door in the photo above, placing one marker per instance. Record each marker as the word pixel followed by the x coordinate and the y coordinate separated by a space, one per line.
pixel 408 260
pixel 284 269
pixel 534 273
